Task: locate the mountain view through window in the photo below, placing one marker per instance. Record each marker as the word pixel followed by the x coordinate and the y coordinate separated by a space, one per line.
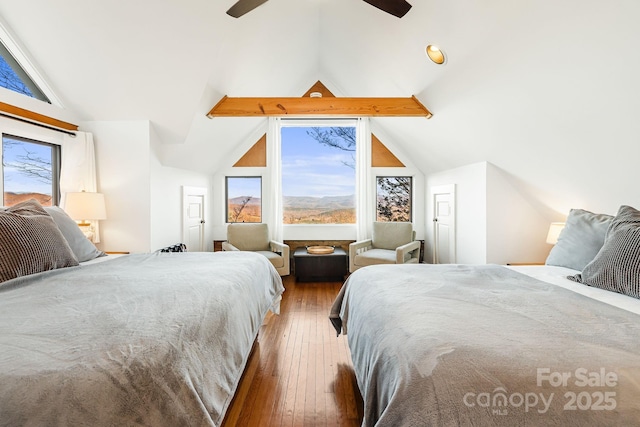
pixel 318 175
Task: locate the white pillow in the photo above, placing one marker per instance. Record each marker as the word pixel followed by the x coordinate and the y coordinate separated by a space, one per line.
pixel 82 247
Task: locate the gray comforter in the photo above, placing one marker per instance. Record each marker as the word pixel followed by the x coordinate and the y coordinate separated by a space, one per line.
pixel 482 345
pixel 149 340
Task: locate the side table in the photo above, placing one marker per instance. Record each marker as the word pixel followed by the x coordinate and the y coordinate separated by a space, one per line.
pixel 320 267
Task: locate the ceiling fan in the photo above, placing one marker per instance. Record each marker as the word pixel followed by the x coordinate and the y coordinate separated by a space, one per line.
pixel 394 7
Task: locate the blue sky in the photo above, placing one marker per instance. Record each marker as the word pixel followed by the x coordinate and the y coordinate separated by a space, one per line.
pixel 313 169
pixel 308 169
pixel 14 180
pixel 239 186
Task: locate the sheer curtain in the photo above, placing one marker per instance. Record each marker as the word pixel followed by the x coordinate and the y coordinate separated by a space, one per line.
pixel 274 182
pixel 365 203
pixel 78 169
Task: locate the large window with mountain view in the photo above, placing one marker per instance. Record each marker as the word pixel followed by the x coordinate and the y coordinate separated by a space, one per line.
pixel 318 174
pixel 30 169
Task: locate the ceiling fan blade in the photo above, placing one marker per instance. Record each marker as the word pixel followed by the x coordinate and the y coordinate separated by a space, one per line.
pixel 397 8
pixel 244 6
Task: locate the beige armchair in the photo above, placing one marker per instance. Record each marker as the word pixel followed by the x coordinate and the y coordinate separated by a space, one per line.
pixel 391 243
pixel 255 238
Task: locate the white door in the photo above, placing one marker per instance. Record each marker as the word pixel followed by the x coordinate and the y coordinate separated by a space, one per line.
pixel 193 222
pixel 444 236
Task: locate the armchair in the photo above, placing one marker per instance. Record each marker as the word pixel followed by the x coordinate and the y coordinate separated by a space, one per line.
pixel 391 243
pixel 255 238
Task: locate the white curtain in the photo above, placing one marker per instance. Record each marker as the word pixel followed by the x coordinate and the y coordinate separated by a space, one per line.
pixel 365 200
pixel 78 169
pixel 274 181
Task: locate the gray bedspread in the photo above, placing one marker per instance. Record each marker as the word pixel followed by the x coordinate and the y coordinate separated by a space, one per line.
pixel 147 340
pixel 448 345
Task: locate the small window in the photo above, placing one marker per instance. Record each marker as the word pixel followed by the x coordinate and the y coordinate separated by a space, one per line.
pixel 15 78
pixel 30 170
pixel 244 199
pixel 394 196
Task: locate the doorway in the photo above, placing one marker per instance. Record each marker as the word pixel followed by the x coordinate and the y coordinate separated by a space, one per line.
pixel 443 199
pixel 193 217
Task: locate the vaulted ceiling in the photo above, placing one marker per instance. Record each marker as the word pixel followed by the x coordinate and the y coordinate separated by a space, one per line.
pixel 522 78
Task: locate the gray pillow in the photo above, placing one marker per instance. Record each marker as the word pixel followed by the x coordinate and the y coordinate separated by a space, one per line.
pixel 580 239
pixel 617 266
pixel 30 242
pixel 82 247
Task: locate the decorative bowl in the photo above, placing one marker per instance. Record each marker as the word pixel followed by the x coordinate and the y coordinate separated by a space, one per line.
pixel 320 249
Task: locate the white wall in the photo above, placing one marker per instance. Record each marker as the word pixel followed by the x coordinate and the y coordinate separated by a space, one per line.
pixel 167 204
pixel 495 222
pixel 123 168
pixel 143 197
pixel 516 229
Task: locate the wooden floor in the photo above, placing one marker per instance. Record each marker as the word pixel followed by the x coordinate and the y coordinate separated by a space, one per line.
pixel 300 373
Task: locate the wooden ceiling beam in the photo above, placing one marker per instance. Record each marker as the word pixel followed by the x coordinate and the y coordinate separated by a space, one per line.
pixel 317 107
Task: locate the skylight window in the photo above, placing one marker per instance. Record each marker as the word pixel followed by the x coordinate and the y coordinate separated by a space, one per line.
pixel 15 78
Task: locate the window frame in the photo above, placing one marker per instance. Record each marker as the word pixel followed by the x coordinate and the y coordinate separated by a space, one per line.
pixel 226 198
pixel 56 162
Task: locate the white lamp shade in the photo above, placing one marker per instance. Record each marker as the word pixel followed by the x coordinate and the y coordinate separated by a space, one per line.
pixel 85 206
pixel 554 231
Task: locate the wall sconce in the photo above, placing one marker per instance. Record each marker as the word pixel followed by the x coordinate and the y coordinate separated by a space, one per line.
pixel 554 231
pixel 85 207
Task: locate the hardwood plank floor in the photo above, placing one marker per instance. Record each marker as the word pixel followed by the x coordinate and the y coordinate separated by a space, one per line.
pixel 300 373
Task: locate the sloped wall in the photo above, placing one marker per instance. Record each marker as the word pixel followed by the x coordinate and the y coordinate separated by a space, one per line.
pixel 495 222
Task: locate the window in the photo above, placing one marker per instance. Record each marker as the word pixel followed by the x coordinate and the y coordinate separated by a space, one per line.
pixel 318 174
pixel 244 199
pixel 393 197
pixel 30 169
pixel 13 77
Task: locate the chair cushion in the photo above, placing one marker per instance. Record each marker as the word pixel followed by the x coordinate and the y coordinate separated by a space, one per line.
pixel 275 258
pixel 249 237
pixel 375 256
pixel 390 235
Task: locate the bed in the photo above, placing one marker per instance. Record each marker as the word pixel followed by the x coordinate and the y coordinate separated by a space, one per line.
pixel 158 339
pixel 440 345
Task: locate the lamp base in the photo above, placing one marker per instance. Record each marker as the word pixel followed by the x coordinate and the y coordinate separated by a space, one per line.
pixel 87 230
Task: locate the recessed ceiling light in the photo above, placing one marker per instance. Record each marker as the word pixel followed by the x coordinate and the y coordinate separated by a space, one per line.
pixel 435 54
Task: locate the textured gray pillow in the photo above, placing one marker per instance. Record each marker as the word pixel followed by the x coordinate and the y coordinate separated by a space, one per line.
pixel 580 239
pixel 82 247
pixel 30 242
pixel 617 266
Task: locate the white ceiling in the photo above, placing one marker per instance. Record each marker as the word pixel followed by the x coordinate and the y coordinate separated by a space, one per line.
pixel 523 78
